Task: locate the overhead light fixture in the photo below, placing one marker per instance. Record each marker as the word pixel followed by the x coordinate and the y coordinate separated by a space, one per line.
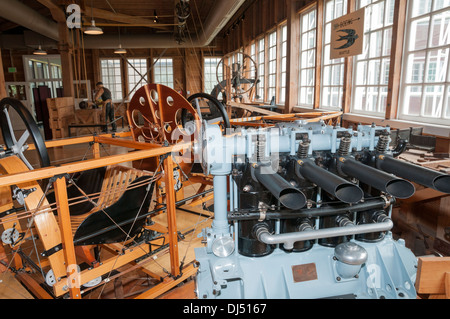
pixel 120 50
pixel 93 30
pixel 39 51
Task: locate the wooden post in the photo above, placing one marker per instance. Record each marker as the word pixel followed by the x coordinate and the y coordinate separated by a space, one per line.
pixel 73 282
pixel 348 71
pixel 2 79
pixel 96 150
pixel 291 57
pixel 65 50
pixel 319 50
pixel 395 66
pixel 171 216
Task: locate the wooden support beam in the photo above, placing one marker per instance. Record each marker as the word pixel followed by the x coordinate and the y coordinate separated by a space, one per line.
pixel 33 286
pixel 348 71
pixel 168 284
pixel 73 283
pixel 65 48
pixel 171 216
pixel 395 65
pixel 292 62
pixel 105 267
pixel 119 17
pixel 47 172
pixel 319 49
pixel 57 12
pixel 3 92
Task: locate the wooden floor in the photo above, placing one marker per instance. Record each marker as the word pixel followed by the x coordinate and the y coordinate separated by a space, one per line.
pixel 131 284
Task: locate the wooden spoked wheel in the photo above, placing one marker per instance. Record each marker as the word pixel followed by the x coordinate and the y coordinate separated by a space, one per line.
pixel 155 115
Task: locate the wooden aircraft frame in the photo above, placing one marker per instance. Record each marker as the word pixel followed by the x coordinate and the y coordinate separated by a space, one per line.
pixel 55 231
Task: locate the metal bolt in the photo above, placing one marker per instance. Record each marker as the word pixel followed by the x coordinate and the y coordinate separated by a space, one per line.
pixel 338 278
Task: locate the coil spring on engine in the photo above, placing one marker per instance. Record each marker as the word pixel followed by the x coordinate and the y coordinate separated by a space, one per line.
pixel 383 141
pixel 261 148
pixel 344 146
pixel 303 148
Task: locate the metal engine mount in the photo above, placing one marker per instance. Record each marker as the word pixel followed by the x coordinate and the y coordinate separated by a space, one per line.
pixel 309 213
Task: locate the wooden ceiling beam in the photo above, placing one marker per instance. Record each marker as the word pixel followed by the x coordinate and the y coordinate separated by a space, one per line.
pixel 56 11
pixel 120 17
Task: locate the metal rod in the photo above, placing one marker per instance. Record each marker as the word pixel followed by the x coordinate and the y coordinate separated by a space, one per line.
pixel 378 203
pixel 288 239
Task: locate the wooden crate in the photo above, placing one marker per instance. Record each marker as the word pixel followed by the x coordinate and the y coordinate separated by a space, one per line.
pixel 62 123
pixel 60 133
pixel 60 107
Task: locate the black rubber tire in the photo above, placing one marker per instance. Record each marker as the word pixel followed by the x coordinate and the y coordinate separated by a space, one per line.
pixel 30 124
pixel 214 101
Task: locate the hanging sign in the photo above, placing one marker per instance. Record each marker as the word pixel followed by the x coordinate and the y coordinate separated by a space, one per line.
pixel 347 35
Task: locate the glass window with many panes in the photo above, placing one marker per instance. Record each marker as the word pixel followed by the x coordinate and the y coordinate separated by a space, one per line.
pixel 261 71
pixel 307 62
pixel 332 83
pixel 425 89
pixel 163 71
pixel 137 75
pixel 371 68
pixel 272 70
pixel 283 65
pixel 111 76
pixel 211 74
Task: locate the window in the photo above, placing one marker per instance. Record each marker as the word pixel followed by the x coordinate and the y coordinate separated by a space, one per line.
pixel 272 75
pixel 371 68
pixel 261 72
pixel 253 66
pixel 163 71
pixel 44 71
pixel 282 93
pixel 307 63
pixel 211 73
pixel 136 70
pixel 332 70
pixel 425 89
pixel 111 77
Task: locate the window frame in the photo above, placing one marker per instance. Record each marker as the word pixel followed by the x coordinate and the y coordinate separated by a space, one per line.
pixel 331 65
pixel 444 118
pixel 384 59
pixel 218 58
pixel 135 75
pixel 116 94
pixel 156 67
pixel 303 13
pixel 272 60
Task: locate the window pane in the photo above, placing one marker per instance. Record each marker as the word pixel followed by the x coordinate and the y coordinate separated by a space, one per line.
pixel 307 58
pixel 371 72
pixel 332 69
pixel 419 34
pixel 426 62
pixel 111 77
pixel 163 71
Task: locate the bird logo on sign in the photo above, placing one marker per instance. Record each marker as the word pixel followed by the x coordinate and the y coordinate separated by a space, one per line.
pixel 351 37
